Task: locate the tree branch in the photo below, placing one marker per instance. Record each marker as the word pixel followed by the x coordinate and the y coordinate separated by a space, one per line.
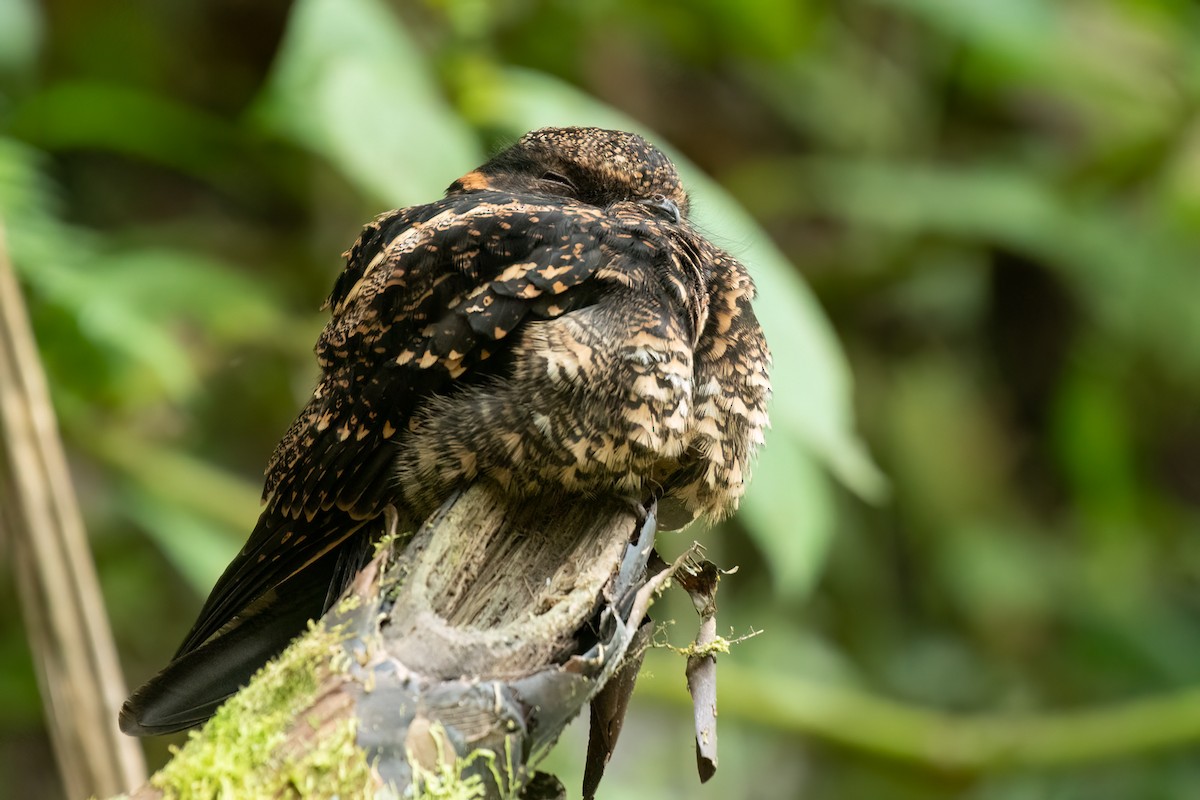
pixel 946 741
pixel 457 658
pixel 78 672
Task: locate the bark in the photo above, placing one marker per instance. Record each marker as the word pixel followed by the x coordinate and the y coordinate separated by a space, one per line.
pixel 452 665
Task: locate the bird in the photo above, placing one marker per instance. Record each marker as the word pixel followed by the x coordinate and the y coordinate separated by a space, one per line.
pixel 554 322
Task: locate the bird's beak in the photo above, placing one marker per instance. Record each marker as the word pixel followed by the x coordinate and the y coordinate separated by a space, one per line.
pixel 665 204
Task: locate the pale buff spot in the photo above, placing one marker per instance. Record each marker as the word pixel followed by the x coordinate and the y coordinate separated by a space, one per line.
pixel 715 456
pixel 734 476
pixel 672 447
pixel 645 437
pixel 759 380
pixel 644 356
pixel 512 444
pixel 735 405
pixel 647 386
pixel 723 320
pixel 516 271
pixel 708 410
pixel 681 382
pixel 473 180
pixel 569 478
pixel 678 419
pixel 579 450
pixel 502 476
pixel 707 426
pixel 426 461
pixel 616 275
pixel 606 453
pixel 565 356
pixel 550 273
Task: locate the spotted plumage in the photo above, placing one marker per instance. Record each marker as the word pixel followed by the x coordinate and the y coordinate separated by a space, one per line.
pixel 554 323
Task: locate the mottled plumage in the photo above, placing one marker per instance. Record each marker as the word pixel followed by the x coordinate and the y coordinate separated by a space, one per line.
pixel 553 323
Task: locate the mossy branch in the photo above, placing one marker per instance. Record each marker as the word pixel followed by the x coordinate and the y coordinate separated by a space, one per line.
pixel 863 720
pixel 449 669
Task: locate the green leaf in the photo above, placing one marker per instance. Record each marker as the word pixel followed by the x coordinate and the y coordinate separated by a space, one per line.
pixel 1137 277
pixel 351 85
pixel 128 302
pixel 789 509
pixel 1025 28
pixel 20 35
pixel 197 548
pixel 1101 61
pixel 56 260
pixel 90 115
pixel 169 285
pixel 178 479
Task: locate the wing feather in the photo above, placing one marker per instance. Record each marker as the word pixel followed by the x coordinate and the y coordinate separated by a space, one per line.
pixel 423 290
pixel 426 300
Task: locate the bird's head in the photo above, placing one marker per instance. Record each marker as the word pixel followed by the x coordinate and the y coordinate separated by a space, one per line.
pixel 592 165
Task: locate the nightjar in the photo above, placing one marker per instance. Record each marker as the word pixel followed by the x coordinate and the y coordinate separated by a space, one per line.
pixel 553 324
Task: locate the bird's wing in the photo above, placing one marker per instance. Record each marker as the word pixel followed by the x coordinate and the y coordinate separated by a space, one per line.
pixel 426 300
pixel 428 296
pixel 202 676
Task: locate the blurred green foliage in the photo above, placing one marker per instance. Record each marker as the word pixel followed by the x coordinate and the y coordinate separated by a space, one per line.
pixel 996 206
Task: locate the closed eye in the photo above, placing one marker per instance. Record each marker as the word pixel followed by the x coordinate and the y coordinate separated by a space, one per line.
pixel 561 182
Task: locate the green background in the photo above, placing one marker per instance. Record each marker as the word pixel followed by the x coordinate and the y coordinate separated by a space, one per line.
pixel 972 541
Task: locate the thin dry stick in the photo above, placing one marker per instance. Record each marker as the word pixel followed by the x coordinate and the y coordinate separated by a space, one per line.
pixel 80 679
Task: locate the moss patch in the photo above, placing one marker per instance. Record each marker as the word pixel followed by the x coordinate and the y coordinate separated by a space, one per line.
pixel 237 753
pixel 446 781
pixel 337 768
